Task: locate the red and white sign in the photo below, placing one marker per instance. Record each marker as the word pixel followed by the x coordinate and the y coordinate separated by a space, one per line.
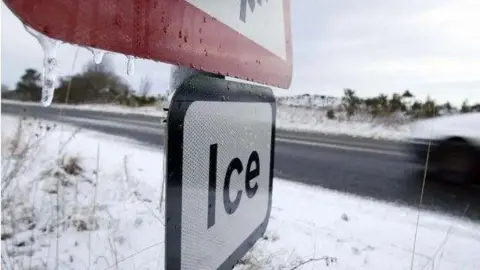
pixel 247 39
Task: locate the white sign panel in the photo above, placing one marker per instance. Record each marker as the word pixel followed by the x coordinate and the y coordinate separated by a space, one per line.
pixel 261 21
pixel 231 143
pixel 220 169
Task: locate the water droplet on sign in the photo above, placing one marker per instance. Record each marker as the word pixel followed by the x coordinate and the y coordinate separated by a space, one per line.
pixel 180 34
pixel 97 55
pixel 130 65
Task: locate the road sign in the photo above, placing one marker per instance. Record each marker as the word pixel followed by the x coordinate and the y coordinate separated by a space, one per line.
pixel 220 151
pixel 248 39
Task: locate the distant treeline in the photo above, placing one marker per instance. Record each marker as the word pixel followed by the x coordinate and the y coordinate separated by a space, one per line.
pixel 96 83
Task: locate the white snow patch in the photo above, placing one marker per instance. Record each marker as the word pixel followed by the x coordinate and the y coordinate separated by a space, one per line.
pixel 127 217
pixel 316 120
pixel 311 222
pixel 126 230
pixel 309 101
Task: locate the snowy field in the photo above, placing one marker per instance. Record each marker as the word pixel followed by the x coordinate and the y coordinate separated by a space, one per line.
pixel 315 120
pixel 289 118
pixel 78 199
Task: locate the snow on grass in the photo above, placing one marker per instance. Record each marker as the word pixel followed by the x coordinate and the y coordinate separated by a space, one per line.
pixel 311 222
pixel 85 200
pixel 315 120
pixel 100 216
pixel 310 101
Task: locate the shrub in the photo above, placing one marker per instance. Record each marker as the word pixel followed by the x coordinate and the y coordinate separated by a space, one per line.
pixel 330 114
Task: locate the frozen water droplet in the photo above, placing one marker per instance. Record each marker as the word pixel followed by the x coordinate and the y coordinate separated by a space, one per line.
pixel 49 71
pixel 97 55
pixel 49 75
pixel 130 65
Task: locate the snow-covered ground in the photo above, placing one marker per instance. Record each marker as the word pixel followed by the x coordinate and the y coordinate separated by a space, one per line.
pixel 316 120
pixel 78 199
pixel 297 118
pixel 309 101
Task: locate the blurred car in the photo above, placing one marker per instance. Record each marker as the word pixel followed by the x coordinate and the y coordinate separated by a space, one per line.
pixel 452 144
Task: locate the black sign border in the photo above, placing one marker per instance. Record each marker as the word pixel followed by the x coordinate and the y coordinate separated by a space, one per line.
pixel 201 87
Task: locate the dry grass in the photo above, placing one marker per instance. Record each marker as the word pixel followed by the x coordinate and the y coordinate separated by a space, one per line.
pixel 25 196
pixel 43 202
pixel 259 259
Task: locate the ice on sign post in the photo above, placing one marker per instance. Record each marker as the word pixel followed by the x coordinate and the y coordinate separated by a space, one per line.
pixel 220 168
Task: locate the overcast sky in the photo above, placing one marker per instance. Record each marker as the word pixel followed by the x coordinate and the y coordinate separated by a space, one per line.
pixel 430 46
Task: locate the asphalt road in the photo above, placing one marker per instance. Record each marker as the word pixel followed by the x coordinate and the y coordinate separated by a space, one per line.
pixel 370 168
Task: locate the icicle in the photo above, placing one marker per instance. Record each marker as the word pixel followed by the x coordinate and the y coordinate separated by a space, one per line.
pixel 130 65
pixel 49 75
pixel 97 55
pixel 50 47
